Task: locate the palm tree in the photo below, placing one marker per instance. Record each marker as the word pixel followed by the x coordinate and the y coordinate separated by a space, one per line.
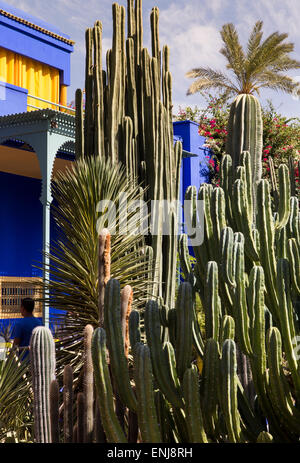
pixel 263 65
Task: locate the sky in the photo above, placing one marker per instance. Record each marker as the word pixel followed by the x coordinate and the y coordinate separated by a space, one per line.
pixel 190 28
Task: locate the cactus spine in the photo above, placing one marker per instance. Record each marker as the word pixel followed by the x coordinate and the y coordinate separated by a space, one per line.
pixel 118 360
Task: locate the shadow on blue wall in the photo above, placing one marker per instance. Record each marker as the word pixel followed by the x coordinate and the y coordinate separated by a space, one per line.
pixel 21 237
pixel 21 228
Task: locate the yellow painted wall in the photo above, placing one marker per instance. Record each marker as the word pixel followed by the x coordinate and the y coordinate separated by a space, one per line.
pixel 39 79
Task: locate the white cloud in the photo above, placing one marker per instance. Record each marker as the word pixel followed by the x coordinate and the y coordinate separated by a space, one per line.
pixel 193 40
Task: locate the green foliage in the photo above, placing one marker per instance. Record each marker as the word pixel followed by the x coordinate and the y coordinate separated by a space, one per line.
pixel 281 139
pixel 188 114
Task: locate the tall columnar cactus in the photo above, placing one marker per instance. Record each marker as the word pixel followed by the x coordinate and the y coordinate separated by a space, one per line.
pixel 68 404
pixel 170 396
pixel 147 417
pixel 128 117
pixel 47 409
pixel 103 269
pixel 113 430
pixel 245 133
pixel 171 401
pixel 42 355
pixel 88 385
pixel 189 388
pixel 118 360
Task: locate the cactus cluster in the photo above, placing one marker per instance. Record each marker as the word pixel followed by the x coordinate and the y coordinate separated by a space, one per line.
pixel 162 379
pixel 128 117
pixel 188 389
pixel 247 274
pixel 68 417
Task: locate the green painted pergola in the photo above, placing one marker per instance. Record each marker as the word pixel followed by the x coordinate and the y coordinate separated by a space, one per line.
pixel 47 132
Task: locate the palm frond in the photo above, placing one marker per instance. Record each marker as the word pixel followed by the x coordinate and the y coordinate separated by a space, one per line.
pixel 73 269
pixel 209 78
pixel 254 41
pixel 285 63
pixel 278 82
pixel 232 50
pixel 266 55
pixel 205 84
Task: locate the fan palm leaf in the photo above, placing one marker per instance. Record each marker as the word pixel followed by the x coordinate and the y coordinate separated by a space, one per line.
pixel 73 270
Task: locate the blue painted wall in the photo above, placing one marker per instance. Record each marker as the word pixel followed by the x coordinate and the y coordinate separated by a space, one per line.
pixel 21 238
pixel 194 170
pixel 36 45
pixel 21 229
pixel 12 99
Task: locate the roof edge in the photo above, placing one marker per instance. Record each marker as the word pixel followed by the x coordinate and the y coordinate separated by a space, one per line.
pixel 36 27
